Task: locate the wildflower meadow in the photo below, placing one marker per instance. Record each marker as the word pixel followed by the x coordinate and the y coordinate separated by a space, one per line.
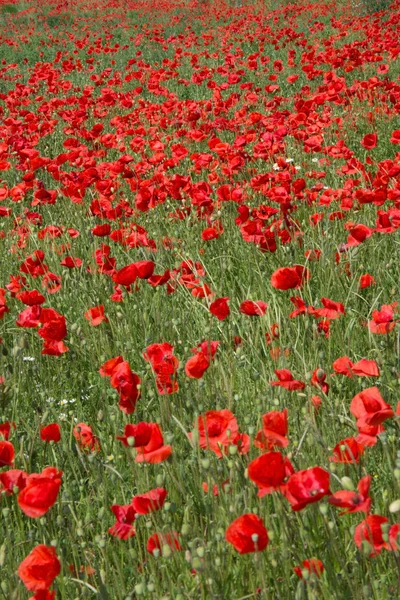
pixel 199 300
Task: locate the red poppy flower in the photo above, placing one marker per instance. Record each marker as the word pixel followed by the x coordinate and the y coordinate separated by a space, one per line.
pixel 108 368
pixel 197 365
pixel 395 137
pixel 287 278
pixel 9 480
pixel 126 276
pixel 34 264
pixel 353 501
pixel 366 281
pixel 312 565
pixel 149 502
pixel 270 472
pixel 7 454
pixel 318 380
pixel 125 515
pixel 127 383
pixel 40 492
pixel 369 408
pixel 306 487
pixel 96 315
pixel 136 435
pixel 369 141
pixel 363 368
pixel 5 429
pixel 164 365
pixel 51 433
pixel 301 307
pixel 287 381
pixel 332 310
pixel 85 437
pixel 357 235
pixel 154 450
pixel 347 451
pixel 383 320
pixel 218 429
pixel 54 327
pixel 29 317
pixel 71 262
pixel 158 540
pixel 253 309
pixel 220 309
pixel 43 595
pixel 204 353
pixel 367 434
pixel 274 430
pixel 39 569
pixel 247 534
pixel 31 297
pixel 51 283
pixel 145 269
pixel 370 530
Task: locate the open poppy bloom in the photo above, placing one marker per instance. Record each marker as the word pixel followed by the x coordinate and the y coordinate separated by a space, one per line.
pixel 136 435
pixel 318 380
pixel 12 479
pixel 274 430
pixel 85 438
pixel 287 278
pixel 370 530
pixel 204 353
pixel 7 454
pixel 96 316
pixel 270 472
pixel 312 565
pixel 220 308
pixel 383 321
pixel 362 368
pixel 153 451
pixel 287 381
pixel 39 569
pixel 332 310
pixel 301 307
pixel 158 540
pixel 253 309
pixel 353 501
pixel 218 429
pixel 40 492
pixel 164 365
pixel 125 515
pixel 5 429
pixel 150 501
pixel 347 451
pixel 306 487
pixel 51 433
pixel 369 408
pixel 247 534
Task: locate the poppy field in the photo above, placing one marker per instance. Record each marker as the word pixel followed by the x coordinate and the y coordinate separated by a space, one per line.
pixel 199 300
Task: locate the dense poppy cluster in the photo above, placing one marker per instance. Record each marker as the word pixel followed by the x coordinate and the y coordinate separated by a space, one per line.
pixel 199 318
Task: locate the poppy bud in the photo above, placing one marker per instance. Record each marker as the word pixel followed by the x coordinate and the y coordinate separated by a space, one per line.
pixel 348 484
pixel 395 506
pixel 366 548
